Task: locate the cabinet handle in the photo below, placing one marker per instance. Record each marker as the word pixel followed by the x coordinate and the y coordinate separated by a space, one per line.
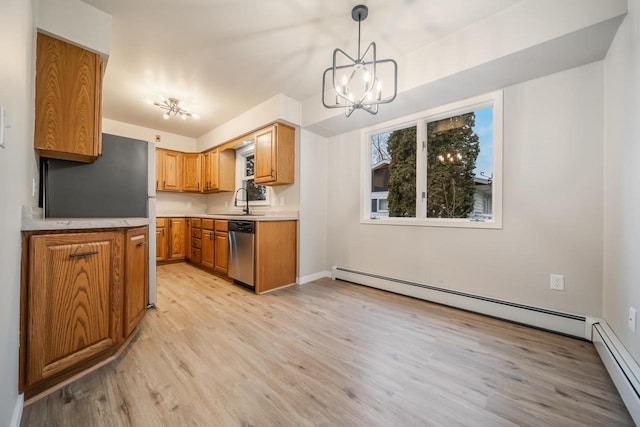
pixel 163 232
pixel 210 236
pixel 164 184
pixel 141 244
pixel 82 254
pixel 198 186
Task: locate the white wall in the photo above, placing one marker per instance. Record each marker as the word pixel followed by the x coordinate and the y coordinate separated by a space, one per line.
pixel 622 179
pixel 553 204
pixel 312 227
pixel 18 166
pixel 170 141
pixel 77 23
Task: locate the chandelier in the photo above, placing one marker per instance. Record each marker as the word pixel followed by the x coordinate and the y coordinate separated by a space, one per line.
pixel 174 107
pixel 357 83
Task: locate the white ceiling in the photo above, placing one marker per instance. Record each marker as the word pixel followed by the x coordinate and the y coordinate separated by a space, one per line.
pixel 222 57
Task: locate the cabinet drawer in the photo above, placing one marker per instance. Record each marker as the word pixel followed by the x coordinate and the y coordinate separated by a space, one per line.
pixel 196 233
pixel 196 222
pixel 196 243
pixel 196 256
pixel 222 225
pixel 161 222
pixel 207 224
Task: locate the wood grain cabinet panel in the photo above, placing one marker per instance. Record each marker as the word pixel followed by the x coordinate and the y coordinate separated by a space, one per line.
pixel 192 171
pixel 177 246
pixel 74 292
pixel 275 254
pixel 136 278
pixel 275 155
pixel 208 249
pixel 170 175
pixel 221 250
pixel 219 170
pixel 68 105
pixel 161 243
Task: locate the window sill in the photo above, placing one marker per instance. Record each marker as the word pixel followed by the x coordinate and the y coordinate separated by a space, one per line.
pixel 421 222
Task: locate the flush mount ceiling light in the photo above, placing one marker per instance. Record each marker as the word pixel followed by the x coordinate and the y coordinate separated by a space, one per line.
pixel 174 107
pixel 357 83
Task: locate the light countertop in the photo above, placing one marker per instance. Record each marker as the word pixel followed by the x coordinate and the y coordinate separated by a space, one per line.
pixel 33 220
pixel 276 216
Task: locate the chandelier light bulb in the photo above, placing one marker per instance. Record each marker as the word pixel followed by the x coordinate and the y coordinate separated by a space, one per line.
pixel 165 116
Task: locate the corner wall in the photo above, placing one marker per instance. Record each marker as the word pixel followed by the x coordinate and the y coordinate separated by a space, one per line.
pixel 18 166
pixel 622 179
pixel 552 207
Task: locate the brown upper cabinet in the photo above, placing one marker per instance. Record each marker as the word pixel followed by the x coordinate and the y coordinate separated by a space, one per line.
pixel 274 155
pixel 192 168
pixel 68 107
pixel 168 170
pixel 219 171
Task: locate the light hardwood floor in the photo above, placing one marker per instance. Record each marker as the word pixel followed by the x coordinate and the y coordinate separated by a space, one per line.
pixel 332 354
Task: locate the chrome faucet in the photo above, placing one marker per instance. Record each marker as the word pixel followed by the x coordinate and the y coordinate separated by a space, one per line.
pixel 245 210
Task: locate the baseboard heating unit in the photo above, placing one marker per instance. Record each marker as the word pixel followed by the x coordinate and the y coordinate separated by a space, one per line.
pixel 556 321
pixel 622 368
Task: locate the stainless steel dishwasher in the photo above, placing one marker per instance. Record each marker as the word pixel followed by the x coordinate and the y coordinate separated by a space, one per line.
pixel 241 251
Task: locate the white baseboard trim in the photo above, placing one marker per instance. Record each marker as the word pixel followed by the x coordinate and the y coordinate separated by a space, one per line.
pixel 552 320
pixel 311 277
pixel 17 411
pixel 622 368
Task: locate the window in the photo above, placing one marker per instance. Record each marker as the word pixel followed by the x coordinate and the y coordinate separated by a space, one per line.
pixel 258 194
pixel 441 167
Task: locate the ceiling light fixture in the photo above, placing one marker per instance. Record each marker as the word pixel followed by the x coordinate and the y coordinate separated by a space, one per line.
pixel 175 107
pixel 357 83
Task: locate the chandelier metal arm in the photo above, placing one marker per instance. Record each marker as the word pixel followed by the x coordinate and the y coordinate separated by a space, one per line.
pixel 361 87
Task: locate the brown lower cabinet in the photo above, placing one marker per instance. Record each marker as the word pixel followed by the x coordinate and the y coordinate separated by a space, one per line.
pixel 82 295
pixel 207 246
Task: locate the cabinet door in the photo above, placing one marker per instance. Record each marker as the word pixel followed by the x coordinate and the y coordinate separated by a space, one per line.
pixel 176 238
pixel 161 244
pixel 208 248
pixel 68 106
pixel 211 170
pixel 221 252
pixel 187 238
pixel 74 292
pixel 159 168
pixel 135 278
pixel 171 170
pixel 192 171
pixel 265 155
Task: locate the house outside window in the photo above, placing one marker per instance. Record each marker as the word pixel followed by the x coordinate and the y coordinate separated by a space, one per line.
pixel 258 194
pixel 442 167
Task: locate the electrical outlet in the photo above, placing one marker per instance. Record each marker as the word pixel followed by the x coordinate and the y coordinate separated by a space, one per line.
pixel 556 282
pixel 632 319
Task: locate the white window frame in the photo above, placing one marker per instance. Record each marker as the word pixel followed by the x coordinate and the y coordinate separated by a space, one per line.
pixel 493 99
pixel 241 155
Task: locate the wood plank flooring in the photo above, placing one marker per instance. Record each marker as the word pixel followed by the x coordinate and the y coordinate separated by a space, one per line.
pixel 330 353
